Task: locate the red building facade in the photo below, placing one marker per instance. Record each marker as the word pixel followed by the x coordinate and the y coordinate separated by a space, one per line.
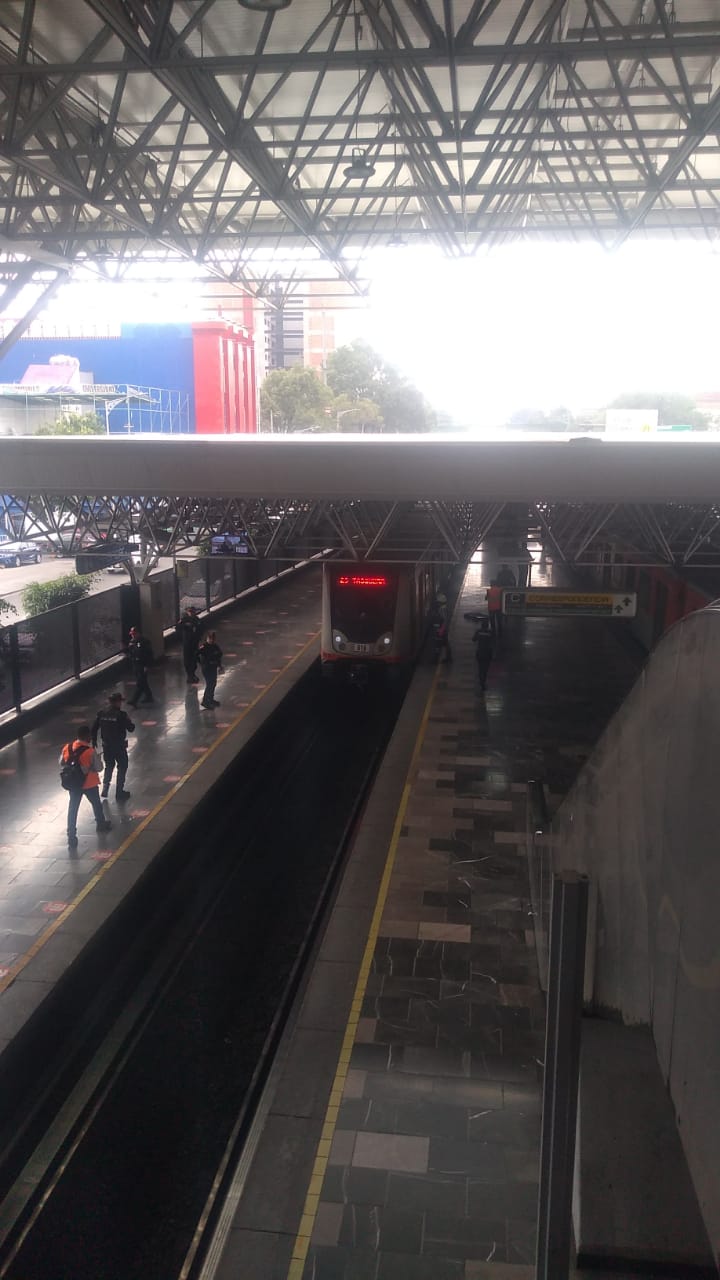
pixel 224 378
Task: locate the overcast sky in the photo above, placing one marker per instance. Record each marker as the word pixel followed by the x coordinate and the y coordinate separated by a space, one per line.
pixel 529 325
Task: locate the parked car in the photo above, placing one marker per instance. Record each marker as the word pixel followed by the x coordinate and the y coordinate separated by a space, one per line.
pixel 13 554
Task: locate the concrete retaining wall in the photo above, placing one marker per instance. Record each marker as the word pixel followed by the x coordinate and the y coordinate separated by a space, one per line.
pixel 643 821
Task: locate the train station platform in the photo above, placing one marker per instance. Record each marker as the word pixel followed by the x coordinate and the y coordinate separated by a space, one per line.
pixel 399 1132
pixel 52 897
pixel 402 1135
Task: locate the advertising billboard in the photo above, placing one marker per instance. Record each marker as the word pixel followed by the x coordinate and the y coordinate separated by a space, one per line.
pixel 228 544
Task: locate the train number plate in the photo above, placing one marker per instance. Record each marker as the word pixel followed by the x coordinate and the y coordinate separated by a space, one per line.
pixel 361 648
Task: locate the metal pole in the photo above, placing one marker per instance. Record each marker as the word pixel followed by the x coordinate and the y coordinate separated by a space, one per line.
pixel 15 676
pixel 75 632
pixel 568 928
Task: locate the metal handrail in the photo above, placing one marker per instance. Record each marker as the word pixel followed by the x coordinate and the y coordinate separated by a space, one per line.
pixel 568 942
pixel 540 873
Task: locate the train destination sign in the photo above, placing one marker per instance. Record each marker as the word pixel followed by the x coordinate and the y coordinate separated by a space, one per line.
pixel 546 602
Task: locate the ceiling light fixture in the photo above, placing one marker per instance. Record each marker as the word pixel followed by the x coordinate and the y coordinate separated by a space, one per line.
pixel 360 166
pixel 265 6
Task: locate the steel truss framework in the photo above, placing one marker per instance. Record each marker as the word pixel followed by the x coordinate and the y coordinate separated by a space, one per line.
pixel 198 131
pixel 673 535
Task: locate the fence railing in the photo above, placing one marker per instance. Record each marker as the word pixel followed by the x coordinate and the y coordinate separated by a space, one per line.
pixel 539 858
pixel 41 653
pixel 563 1033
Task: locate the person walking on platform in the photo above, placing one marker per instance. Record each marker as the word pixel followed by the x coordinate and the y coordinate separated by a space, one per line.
pixel 484 647
pixel 189 630
pixel 112 723
pixel 141 655
pixel 210 657
pixel 506 577
pixel 441 628
pixel 80 756
pixel 494 597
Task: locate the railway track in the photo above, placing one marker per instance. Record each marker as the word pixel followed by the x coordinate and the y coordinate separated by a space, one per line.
pixel 125 1146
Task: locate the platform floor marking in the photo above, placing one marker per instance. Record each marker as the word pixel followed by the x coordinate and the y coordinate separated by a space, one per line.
pixel 322 1154
pixel 44 937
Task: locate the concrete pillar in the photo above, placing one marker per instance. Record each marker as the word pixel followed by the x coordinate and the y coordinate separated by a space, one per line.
pixel 151 619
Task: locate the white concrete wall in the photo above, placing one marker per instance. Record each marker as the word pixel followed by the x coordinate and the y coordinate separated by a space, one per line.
pixel 643 821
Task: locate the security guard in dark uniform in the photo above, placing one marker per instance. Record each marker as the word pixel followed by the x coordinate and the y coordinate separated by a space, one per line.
pixel 113 724
pixel 189 631
pixel 140 653
pixel 484 649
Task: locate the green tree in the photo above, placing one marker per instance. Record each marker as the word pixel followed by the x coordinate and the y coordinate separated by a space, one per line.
pixel 38 597
pixel 346 414
pixel 356 371
pixel 404 408
pixel 359 373
pixel 293 399
pixel 674 408
pixel 6 606
pixel 73 424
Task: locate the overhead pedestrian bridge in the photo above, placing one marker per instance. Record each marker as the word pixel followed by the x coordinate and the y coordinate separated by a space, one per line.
pixel 432 497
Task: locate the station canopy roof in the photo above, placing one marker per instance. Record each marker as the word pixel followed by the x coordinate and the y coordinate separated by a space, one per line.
pixel 266 141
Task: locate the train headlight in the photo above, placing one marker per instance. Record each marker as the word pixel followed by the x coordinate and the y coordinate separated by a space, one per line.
pixel 339 641
pixel 384 642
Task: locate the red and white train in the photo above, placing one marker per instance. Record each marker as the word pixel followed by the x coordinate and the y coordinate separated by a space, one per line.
pixel 374 616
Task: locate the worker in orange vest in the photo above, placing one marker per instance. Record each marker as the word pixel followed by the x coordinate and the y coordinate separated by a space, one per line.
pixel 81 752
pixel 494 597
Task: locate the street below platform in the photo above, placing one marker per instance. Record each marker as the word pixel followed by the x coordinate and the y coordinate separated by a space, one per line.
pixel 13 581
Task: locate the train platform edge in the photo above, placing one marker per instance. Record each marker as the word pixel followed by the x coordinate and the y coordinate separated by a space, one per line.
pixel 63 909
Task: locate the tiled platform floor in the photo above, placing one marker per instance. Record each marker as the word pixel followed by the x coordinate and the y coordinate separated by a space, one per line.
pixel 432 1173
pixel 39 875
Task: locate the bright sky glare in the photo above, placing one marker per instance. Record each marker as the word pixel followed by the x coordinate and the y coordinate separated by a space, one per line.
pixel 545 325
pixel 522 326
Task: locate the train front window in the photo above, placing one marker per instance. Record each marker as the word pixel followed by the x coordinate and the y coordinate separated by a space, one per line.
pixel 363 605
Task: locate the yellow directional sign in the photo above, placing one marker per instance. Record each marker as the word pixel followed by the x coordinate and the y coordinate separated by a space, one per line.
pixel 546 602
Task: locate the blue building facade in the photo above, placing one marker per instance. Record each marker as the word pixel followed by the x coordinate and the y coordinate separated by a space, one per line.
pixel 158 357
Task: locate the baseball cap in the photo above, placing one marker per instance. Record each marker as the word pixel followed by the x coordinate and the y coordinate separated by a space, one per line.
pixel 116 697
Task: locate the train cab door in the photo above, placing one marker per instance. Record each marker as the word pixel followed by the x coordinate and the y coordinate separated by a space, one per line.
pixel 418 599
pixel 422 598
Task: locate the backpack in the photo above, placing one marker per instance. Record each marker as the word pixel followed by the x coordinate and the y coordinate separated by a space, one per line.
pixel 72 774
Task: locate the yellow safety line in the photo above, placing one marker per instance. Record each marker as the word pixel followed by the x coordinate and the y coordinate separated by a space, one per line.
pixel 40 942
pixel 322 1155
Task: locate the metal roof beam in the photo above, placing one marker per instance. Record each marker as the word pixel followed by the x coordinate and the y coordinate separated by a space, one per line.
pixel 648 42
pixel 39 305
pixel 704 121
pixel 181 80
